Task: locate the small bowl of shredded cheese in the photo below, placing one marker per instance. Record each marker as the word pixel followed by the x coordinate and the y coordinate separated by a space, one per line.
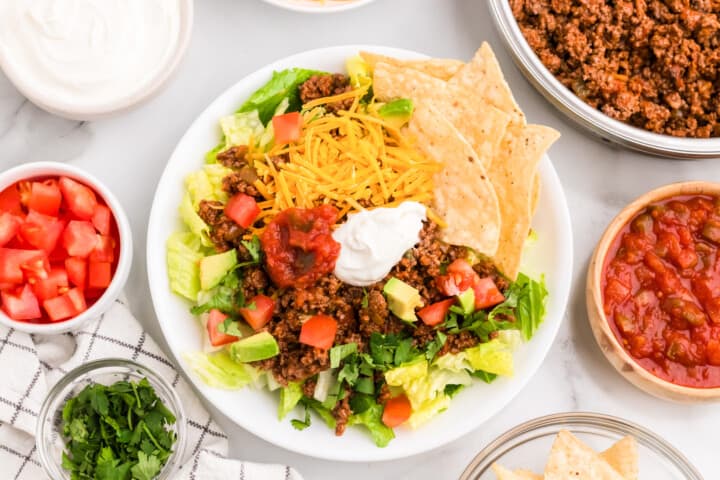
pixel 319 6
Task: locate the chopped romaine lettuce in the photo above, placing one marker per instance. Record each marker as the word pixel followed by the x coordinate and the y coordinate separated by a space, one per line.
pixel 219 370
pixel 494 356
pixel 326 380
pixel 289 398
pixel 241 128
pixel 193 221
pixel 371 418
pixel 183 258
pixel 425 385
pixel 282 85
pixel 525 300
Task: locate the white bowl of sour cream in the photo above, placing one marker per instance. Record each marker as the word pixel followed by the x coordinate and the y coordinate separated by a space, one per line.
pixel 87 59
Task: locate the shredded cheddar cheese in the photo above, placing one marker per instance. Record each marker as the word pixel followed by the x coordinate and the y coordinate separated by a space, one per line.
pixel 352 160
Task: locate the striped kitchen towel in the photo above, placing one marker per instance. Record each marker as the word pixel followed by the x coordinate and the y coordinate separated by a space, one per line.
pixel 31 364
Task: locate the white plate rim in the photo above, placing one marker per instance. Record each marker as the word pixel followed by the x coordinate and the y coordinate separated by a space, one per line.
pixel 305 6
pixel 160 293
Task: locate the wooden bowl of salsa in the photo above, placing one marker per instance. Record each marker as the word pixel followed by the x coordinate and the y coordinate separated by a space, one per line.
pixel 653 292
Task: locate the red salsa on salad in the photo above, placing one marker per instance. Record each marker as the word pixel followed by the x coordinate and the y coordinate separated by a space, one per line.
pixel 661 286
pixel 59 247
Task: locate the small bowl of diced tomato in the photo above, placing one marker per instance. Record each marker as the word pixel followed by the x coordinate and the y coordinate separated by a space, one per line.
pixel 653 292
pixel 65 248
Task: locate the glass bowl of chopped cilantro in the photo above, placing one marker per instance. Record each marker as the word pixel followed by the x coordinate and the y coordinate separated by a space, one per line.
pixel 111 419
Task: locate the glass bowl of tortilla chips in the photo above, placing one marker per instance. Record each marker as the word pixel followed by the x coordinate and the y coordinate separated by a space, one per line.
pixel 579 445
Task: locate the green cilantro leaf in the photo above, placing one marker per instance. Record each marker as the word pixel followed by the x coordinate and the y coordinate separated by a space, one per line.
pixel 146 468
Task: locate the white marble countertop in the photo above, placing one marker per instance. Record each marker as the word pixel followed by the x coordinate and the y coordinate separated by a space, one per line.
pixel 235 37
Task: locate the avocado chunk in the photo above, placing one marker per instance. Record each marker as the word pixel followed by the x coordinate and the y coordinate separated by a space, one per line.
pixel 402 299
pixel 215 267
pixel 467 301
pixel 398 112
pixel 251 349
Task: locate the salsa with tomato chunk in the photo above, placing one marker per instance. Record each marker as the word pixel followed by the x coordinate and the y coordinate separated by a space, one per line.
pixel 59 247
pixel 661 289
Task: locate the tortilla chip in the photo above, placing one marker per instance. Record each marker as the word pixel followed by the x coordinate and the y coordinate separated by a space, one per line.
pixel 391 82
pixel 505 474
pixel 535 196
pixel 623 457
pixel 570 458
pixel 440 68
pixel 464 195
pixel 512 175
pixel 527 475
pixel 481 124
pixel 483 77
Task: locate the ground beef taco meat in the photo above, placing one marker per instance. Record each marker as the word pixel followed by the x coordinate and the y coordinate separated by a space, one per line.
pixel 650 63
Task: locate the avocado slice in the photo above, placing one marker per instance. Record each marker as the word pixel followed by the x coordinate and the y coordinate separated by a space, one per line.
pixel 397 113
pixel 251 349
pixel 402 299
pixel 467 301
pixel 215 267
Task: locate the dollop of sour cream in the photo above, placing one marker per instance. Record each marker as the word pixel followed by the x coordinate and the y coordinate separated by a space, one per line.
pixel 374 241
pixel 87 53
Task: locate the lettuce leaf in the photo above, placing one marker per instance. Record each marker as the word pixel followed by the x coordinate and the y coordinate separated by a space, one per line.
pixel 183 259
pixel 289 398
pixel 425 385
pixel 241 128
pixel 494 356
pixel 525 300
pixel 192 220
pixel 218 370
pixel 371 418
pixel 283 84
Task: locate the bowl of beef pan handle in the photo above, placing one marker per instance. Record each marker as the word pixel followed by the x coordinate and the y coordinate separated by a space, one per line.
pixel 642 75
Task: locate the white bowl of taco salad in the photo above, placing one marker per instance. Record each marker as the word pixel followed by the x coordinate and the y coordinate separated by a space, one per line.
pixel 349 253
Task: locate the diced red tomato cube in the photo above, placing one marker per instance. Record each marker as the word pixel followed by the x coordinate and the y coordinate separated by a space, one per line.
pixel 76 269
pixel 22 306
pixel 9 226
pixel 104 250
pixel 487 293
pixel 99 274
pixel 459 277
pixel 45 197
pixel 261 313
pixel 54 285
pixel 13 261
pixel 287 127
pixel 397 411
pixel 79 238
pixel 101 219
pixel 59 308
pixel 435 314
pixel 319 332
pixel 80 199
pixel 243 209
pixel 10 200
pixel 217 338
pixel 77 298
pixel 41 231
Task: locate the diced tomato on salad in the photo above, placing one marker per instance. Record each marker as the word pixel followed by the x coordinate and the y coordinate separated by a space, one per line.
pixel 58 243
pixel 242 209
pixel 397 411
pixel 435 314
pixel 259 312
pixel 215 336
pixel 287 127
pixel 319 332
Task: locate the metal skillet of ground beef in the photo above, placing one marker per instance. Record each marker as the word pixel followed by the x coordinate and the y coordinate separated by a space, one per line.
pixel 650 63
pixel 320 86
